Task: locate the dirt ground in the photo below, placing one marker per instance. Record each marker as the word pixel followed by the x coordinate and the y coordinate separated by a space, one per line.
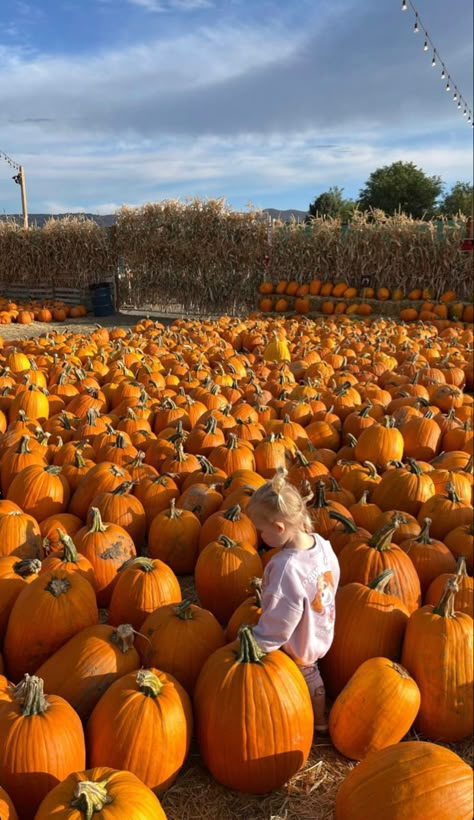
pixel 87 324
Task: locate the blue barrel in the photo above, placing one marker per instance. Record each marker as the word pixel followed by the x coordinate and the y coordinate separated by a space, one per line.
pixel 101 298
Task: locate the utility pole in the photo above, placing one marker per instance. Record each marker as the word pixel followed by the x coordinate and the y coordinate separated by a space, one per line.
pixel 19 178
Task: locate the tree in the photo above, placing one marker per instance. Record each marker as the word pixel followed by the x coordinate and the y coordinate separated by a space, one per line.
pixel 458 200
pixel 332 203
pixel 401 187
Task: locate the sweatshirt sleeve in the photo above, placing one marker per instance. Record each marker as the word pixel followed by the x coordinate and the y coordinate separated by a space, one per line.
pixel 277 623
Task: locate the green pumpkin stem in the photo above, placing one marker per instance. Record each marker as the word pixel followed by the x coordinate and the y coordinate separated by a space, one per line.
pixel 445 608
pixel 381 582
pixel 382 539
pixel 90 797
pixel 143 563
pixel 70 554
pixel 233 513
pixel 248 650
pixel 96 521
pixel 149 683
pixel 123 488
pixel 424 536
pixel 206 467
pixel 349 526
pixel 183 610
pixel 23 445
pixel 226 542
pixel 30 695
pixel 414 467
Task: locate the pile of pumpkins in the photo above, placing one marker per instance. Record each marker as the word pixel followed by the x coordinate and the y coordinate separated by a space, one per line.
pixel 127 459
pixel 340 298
pixel 50 310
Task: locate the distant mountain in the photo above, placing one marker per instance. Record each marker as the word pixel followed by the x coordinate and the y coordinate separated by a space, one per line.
pixel 109 219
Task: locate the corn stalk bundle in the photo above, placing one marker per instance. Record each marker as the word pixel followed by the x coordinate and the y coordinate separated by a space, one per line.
pixel 69 252
pixel 199 253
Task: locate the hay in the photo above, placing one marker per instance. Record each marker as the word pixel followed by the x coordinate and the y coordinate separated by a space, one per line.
pixel 310 795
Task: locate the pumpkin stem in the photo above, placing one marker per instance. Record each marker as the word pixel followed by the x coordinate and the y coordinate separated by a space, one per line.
pixel 461 570
pixel 381 582
pixel 256 584
pixel 451 493
pixel 145 564
pixel 401 670
pixel 445 608
pixel 23 445
pixel 96 521
pixel 382 539
pixel 206 467
pixel 29 694
pixel 320 500
pixel 248 652
pixel 57 586
pixel 31 566
pixel 349 526
pixel 183 610
pixel 233 513
pixel 424 536
pixel 226 542
pixel 90 797
pixel 123 637
pixel 123 488
pixel 414 467
pixel 70 554
pixel 149 683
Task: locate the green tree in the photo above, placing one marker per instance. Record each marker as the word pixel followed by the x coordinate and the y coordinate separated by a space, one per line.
pixel 459 200
pixel 401 187
pixel 332 203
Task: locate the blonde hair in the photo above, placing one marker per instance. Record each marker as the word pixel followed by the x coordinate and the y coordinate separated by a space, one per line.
pixel 278 498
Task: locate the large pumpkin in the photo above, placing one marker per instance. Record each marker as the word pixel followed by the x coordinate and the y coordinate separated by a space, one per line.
pixel 410 780
pixel 94 657
pixel 254 718
pixel 103 792
pixel 143 586
pixel 375 709
pixel 45 615
pixel 40 491
pixel 438 653
pixel 42 741
pixel 141 711
pixel 179 638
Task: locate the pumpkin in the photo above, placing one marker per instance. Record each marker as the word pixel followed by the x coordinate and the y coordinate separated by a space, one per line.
pixel 223 573
pixel 380 444
pixel 143 585
pixel 446 511
pixel 376 708
pixel 100 791
pixel 95 657
pixel 118 506
pixel 173 537
pixel 7 809
pixel 101 478
pixel 259 735
pixel 107 547
pixel 141 711
pixel 417 780
pixel 231 522
pixel 463 597
pixel 370 623
pixel 155 495
pixel 438 653
pixel 40 490
pixel 14 574
pixel 460 541
pixel 19 535
pixel 248 612
pixel 407 484
pixel 429 556
pixel 69 560
pixel 42 741
pixel 46 613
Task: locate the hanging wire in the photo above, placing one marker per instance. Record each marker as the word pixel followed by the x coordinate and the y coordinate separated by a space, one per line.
pixel 11 162
pixel 419 26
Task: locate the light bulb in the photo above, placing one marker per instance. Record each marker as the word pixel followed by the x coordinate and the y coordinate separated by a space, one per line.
pixel 464 113
pixel 425 47
pixel 459 104
pixel 448 87
pixel 469 118
pixel 455 95
pixel 416 27
pixel 433 62
pixel 404 5
pixel 443 74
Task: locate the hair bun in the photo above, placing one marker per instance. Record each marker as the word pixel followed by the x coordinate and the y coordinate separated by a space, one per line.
pixel 279 480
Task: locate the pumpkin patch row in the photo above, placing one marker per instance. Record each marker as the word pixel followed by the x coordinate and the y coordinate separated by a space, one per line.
pixel 50 310
pixel 340 298
pixel 127 459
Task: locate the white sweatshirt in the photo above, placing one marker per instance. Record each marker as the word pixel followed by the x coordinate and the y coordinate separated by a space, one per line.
pixel 298 610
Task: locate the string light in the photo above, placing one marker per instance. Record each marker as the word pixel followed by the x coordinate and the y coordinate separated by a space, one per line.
pixel 11 162
pixel 427 44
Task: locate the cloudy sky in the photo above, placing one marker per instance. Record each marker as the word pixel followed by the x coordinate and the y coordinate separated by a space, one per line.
pixel 107 102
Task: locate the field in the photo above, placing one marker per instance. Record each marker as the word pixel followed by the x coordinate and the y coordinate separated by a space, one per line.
pixel 285 383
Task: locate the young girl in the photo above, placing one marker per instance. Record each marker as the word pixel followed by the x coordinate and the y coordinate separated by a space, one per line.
pixel 299 584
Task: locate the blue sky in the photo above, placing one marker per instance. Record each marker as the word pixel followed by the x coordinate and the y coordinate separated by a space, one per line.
pixel 111 102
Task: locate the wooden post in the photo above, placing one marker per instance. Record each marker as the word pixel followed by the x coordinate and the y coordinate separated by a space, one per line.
pixel 23 196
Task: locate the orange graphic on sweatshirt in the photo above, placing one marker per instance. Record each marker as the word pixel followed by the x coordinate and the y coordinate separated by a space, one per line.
pixel 324 592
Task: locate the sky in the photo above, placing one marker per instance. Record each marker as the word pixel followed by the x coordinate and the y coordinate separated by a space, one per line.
pixel 261 102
